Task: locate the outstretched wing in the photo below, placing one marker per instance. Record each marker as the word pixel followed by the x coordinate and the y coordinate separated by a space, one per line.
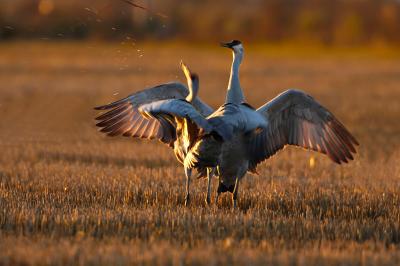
pixel 178 108
pixel 295 118
pixel 123 117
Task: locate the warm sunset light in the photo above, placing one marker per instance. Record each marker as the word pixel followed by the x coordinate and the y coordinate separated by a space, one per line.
pixel 312 162
pixel 168 132
pixel 45 7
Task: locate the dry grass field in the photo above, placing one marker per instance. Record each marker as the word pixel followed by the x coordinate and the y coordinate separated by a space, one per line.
pixel 71 196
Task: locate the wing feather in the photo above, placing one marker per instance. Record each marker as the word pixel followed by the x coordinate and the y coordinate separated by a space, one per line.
pixel 178 108
pixel 122 117
pixel 295 118
pixel 110 114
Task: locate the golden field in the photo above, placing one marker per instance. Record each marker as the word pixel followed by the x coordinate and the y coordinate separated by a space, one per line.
pixel 69 195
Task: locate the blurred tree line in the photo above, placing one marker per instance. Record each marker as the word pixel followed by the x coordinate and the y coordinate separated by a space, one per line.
pixel 330 22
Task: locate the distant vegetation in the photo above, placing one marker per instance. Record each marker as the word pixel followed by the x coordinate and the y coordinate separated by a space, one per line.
pixel 346 22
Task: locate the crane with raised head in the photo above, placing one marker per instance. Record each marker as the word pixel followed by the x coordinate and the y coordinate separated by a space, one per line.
pixel 291 118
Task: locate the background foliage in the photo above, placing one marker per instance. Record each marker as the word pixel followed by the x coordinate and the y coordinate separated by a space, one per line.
pixel 338 22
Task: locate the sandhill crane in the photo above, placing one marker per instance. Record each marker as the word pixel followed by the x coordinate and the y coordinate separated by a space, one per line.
pixel 235 138
pixel 177 127
pixel 291 118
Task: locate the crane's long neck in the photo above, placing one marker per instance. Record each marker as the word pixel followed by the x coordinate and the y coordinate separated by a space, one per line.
pixel 193 86
pixel 235 94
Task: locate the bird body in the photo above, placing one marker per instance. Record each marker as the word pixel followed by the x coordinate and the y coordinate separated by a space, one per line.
pixel 237 117
pixel 204 153
pixel 233 160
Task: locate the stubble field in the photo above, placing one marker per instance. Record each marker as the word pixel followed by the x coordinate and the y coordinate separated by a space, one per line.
pixel 69 195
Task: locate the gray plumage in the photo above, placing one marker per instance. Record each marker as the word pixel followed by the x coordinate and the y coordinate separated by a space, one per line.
pixel 295 118
pixel 291 118
pixel 172 114
pixel 235 138
pixel 124 118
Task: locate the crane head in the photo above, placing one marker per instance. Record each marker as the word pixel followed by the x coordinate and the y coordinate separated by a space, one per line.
pixel 231 44
pixel 235 45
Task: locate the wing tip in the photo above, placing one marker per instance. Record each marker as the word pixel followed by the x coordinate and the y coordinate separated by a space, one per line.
pixel 355 141
pixel 100 107
pixel 112 104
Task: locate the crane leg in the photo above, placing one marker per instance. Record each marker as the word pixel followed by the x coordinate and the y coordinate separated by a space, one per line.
pixel 235 193
pixel 219 191
pixel 188 173
pixel 217 197
pixel 210 173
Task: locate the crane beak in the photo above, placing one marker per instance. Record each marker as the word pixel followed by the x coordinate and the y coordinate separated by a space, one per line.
pixel 226 44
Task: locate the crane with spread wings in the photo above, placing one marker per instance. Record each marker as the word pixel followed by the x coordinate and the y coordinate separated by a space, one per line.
pixel 235 138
